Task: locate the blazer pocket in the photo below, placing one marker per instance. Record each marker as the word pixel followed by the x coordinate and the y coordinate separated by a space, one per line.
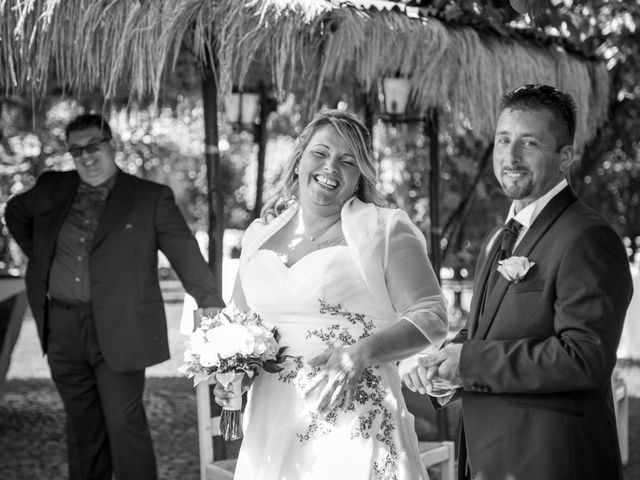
pixel 527 286
pixel 548 407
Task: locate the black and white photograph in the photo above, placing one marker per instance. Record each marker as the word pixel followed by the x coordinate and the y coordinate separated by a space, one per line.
pixel 319 240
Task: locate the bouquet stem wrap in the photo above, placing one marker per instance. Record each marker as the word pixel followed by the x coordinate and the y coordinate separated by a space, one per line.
pixel 231 416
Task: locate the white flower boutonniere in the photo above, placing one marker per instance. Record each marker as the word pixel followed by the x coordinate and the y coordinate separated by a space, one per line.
pixel 515 269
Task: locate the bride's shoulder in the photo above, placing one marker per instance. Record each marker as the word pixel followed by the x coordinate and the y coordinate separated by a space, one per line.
pixel 391 215
pixel 255 227
pixel 375 218
pixel 397 224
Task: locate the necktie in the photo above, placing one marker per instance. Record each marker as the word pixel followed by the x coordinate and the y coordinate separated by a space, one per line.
pixel 101 192
pixel 509 237
pixel 507 242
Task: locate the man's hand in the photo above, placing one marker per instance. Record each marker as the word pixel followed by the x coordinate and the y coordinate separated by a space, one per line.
pixel 443 366
pixel 203 312
pixel 437 373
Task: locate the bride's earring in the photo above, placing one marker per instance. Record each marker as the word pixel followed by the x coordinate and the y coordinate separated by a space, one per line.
pixel 295 170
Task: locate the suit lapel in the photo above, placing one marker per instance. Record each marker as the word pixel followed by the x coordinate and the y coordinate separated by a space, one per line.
pixel 547 217
pixel 118 204
pixel 59 199
pixel 483 270
pixel 540 226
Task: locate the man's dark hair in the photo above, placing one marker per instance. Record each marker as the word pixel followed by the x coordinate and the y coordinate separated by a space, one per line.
pixel 545 97
pixel 89 120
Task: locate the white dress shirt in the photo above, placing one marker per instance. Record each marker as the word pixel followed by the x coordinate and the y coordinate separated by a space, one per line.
pixel 528 215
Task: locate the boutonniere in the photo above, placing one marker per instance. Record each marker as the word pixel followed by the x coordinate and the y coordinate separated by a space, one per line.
pixel 515 269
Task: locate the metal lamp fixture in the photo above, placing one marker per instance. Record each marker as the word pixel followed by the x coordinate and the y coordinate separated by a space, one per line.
pixel 395 96
pixel 241 108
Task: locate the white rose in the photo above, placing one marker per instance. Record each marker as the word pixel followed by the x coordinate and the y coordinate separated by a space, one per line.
pixel 209 357
pixel 515 269
pixel 261 337
pixel 229 340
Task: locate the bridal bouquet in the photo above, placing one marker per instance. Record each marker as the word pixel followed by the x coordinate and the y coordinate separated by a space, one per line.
pixel 228 345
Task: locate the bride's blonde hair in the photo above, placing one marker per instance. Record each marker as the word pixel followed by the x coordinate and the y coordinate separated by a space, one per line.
pixel 357 138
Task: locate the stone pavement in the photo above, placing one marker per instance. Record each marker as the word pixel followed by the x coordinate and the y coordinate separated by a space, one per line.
pixel 32 438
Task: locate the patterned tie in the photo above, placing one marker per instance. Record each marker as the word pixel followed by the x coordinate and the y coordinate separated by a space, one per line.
pixel 507 242
pixel 509 237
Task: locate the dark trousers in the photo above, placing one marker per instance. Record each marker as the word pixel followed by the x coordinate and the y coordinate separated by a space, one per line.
pixel 107 429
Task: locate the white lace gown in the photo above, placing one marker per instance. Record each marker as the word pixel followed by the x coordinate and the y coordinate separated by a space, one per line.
pixel 319 303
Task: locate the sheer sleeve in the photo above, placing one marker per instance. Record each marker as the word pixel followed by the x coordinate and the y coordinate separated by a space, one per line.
pixel 411 281
pixel 247 246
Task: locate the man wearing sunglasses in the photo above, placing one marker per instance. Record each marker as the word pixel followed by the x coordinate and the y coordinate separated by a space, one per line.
pixel 92 237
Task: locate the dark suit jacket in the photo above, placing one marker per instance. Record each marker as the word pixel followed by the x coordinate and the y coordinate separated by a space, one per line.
pixel 536 366
pixel 139 218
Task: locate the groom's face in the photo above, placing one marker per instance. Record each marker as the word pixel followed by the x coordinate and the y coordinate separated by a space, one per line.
pixel 527 160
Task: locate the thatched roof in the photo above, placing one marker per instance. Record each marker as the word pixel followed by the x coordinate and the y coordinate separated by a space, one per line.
pixel 303 45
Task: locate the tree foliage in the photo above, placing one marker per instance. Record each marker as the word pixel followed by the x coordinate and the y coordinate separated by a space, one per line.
pixel 607 175
pixel 166 145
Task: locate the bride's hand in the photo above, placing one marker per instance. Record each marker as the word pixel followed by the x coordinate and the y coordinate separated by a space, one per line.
pixel 340 371
pixel 222 395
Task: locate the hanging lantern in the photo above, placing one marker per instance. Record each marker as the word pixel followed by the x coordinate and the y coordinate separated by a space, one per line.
pixel 241 108
pixel 395 96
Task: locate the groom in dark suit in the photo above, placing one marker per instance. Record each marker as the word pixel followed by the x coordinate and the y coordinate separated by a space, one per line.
pixel 92 238
pixel 533 364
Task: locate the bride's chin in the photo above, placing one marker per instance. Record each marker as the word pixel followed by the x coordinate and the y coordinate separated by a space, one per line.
pixel 324 200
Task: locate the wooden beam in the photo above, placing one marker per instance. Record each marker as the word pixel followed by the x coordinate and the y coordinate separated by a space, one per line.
pixel 432 130
pixel 214 200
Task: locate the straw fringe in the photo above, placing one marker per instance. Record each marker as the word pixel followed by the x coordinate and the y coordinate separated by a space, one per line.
pixel 302 46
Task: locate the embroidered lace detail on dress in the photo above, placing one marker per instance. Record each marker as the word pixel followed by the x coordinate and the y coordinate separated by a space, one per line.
pixel 374 420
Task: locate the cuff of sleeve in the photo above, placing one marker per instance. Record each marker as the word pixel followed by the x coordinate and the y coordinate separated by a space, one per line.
pixel 444 400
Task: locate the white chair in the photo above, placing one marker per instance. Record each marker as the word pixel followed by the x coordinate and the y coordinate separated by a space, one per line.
pixel 208 428
pixel 440 454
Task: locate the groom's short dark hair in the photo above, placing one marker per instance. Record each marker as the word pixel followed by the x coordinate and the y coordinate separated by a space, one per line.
pixel 540 96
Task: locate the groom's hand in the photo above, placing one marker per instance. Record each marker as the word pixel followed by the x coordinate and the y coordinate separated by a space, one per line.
pixel 443 367
pixel 417 380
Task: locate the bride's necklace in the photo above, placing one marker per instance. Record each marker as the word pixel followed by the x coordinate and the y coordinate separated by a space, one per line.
pixel 316 236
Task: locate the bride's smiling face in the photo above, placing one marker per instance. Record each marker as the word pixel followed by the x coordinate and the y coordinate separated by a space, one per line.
pixel 328 173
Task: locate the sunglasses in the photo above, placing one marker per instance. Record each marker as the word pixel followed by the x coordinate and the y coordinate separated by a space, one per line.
pixel 538 88
pixel 76 152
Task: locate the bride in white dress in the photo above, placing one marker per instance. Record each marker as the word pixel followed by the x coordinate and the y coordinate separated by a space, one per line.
pixel 351 290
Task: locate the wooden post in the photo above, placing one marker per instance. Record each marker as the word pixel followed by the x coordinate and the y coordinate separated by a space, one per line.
pixel 214 180
pixel 214 200
pixel 261 140
pixel 432 129
pixel 367 99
